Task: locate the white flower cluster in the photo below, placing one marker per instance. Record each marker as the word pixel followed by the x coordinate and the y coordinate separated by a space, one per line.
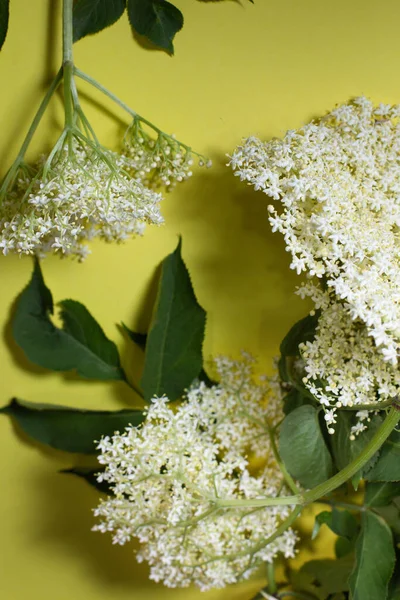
pixel 342 366
pixel 86 192
pixel 338 180
pixel 160 162
pixel 169 475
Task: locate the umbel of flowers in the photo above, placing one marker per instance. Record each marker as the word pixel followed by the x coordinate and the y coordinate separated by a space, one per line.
pixel 81 190
pixel 337 181
pixel 173 476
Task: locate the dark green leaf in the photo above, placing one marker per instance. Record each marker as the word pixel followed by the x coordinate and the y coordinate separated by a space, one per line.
pixel 387 467
pixel 391 514
pixel 294 399
pixel 80 345
pixel 303 582
pixel 381 494
pixel 4 16
pixel 69 429
pixel 330 575
pixel 157 20
pixel 139 338
pixel 394 586
pixel 90 476
pixel 375 560
pixel 344 449
pixel 340 522
pixel 301 332
pixel 343 546
pixel 303 448
pixel 173 356
pixel 91 16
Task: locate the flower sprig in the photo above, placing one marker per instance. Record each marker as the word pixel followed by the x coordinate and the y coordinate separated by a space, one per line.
pixel 81 190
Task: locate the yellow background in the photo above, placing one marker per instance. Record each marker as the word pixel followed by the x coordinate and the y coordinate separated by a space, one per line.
pixel 239 69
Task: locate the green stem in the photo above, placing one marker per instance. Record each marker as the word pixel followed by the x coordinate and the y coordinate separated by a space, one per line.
pixel 370 449
pixel 334 482
pixel 68 65
pixel 346 505
pixel 272 587
pixel 370 406
pixel 112 96
pixel 125 107
pixel 31 131
pixel 288 478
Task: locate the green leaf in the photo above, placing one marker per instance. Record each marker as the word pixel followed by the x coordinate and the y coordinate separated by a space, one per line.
pixel 331 575
pixel 375 560
pixel 91 16
pixel 340 522
pixel 173 356
pixel 303 448
pixel 381 494
pixel 344 449
pixel 4 16
pixel 387 467
pixel 294 399
pixel 343 546
pixel 394 587
pixel 391 515
pixel 80 345
pixel 90 476
pixel 139 338
pixel 305 583
pixel 69 429
pixel 301 332
pixel 157 20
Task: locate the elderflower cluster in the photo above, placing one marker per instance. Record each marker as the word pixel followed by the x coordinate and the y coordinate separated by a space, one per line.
pixel 160 162
pixel 338 182
pixel 85 192
pixel 341 365
pixel 171 476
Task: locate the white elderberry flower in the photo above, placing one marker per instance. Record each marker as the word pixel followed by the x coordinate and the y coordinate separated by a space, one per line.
pixel 84 192
pixel 162 161
pixel 342 365
pixel 338 183
pixel 169 475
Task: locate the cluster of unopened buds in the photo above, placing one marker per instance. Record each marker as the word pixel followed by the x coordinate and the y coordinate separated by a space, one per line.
pixel 160 162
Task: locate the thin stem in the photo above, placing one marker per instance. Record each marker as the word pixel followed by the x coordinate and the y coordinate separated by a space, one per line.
pixel 288 478
pixel 286 523
pixel 373 446
pixel 125 107
pixel 334 482
pixel 68 40
pixel 68 65
pixel 371 406
pixel 272 587
pixel 112 96
pixel 31 131
pixel 131 385
pixel 347 505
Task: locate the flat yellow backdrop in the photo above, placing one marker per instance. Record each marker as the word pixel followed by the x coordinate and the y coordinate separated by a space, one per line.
pixel 239 69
